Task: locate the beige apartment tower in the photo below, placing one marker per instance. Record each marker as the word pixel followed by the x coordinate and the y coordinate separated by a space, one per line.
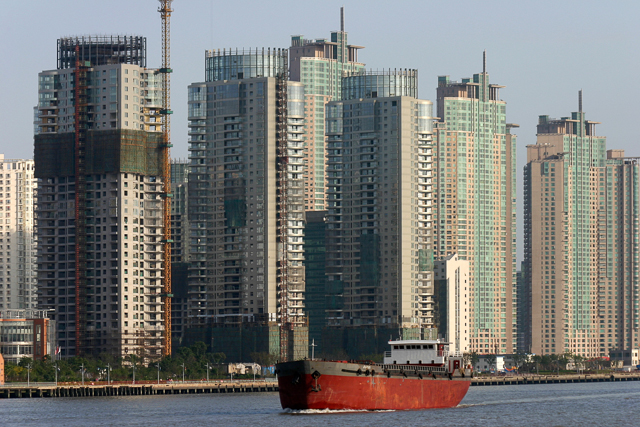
pixel 581 241
pixel 17 239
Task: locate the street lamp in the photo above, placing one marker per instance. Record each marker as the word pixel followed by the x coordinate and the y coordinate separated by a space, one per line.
pixel 55 370
pixel 313 349
pixel 183 369
pixel 134 371
pixel 28 374
pixel 158 365
pixel 82 372
pixel 108 374
pixel 208 367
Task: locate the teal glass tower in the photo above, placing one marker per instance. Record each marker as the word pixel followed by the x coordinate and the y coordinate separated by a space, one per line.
pixel 475 204
pixel 319 64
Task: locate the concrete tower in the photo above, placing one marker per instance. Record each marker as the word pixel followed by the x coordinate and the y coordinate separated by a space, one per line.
pixel 379 221
pixel 97 158
pixel 238 225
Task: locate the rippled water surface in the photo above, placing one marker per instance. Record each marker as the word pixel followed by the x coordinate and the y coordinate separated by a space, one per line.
pixel 594 404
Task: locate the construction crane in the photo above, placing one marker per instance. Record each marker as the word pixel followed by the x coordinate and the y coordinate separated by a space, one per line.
pixel 165 113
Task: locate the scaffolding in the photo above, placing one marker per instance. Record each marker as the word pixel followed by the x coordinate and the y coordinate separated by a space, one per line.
pixel 80 127
pixel 106 151
pixel 102 50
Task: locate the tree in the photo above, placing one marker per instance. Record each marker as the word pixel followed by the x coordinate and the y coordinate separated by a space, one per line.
pixel 264 358
pixel 471 358
pixel 519 359
pixel 491 360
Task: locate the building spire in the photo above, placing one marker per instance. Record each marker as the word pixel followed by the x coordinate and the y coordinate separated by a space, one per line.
pixel 580 101
pixel 342 19
pixel 484 61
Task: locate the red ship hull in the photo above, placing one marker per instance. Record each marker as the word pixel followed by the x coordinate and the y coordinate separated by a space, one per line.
pixel 339 386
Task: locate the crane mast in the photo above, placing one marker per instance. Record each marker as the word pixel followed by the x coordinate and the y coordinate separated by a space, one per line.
pixel 165 114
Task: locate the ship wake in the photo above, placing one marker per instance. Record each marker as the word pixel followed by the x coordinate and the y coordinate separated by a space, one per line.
pixel 327 411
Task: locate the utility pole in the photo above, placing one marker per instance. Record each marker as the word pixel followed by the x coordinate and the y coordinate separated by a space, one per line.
pixel 133 363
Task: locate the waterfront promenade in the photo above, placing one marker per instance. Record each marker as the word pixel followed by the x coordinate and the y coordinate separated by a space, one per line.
pixel 149 388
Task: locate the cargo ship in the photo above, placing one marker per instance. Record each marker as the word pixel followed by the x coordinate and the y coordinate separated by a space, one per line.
pixel 415 374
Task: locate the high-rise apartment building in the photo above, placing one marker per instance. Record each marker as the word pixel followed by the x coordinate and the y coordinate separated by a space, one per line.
pixel 379 194
pixel 319 64
pixel 476 203
pixel 100 197
pixel 17 239
pixel 179 248
pixel 581 241
pixel 246 196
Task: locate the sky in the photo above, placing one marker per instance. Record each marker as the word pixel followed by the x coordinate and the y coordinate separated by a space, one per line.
pixel 543 51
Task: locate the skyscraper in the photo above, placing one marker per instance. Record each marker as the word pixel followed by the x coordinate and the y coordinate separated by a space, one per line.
pixel 17 239
pixel 581 234
pixel 246 198
pixel 476 203
pixel 319 64
pixel 100 195
pixel 379 221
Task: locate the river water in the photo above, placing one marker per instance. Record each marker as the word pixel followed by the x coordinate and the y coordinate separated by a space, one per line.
pixel 592 404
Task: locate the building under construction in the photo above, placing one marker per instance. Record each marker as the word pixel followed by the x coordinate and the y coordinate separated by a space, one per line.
pixel 246 206
pixel 99 155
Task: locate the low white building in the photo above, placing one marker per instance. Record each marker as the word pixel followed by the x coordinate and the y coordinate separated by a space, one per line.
pixel 452 290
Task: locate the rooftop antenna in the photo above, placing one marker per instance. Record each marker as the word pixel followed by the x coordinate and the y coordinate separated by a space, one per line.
pixel 580 100
pixel 342 19
pixel 484 61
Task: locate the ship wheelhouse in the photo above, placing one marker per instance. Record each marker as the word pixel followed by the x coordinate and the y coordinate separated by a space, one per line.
pixel 417 352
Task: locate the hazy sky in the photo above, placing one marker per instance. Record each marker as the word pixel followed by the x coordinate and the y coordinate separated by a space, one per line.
pixel 542 51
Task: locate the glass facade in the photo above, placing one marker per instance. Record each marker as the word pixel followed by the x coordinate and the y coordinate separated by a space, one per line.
pixel 374 84
pixel 244 64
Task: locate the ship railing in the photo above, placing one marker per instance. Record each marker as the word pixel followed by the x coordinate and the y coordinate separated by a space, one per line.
pixel 418 368
pixel 455 354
